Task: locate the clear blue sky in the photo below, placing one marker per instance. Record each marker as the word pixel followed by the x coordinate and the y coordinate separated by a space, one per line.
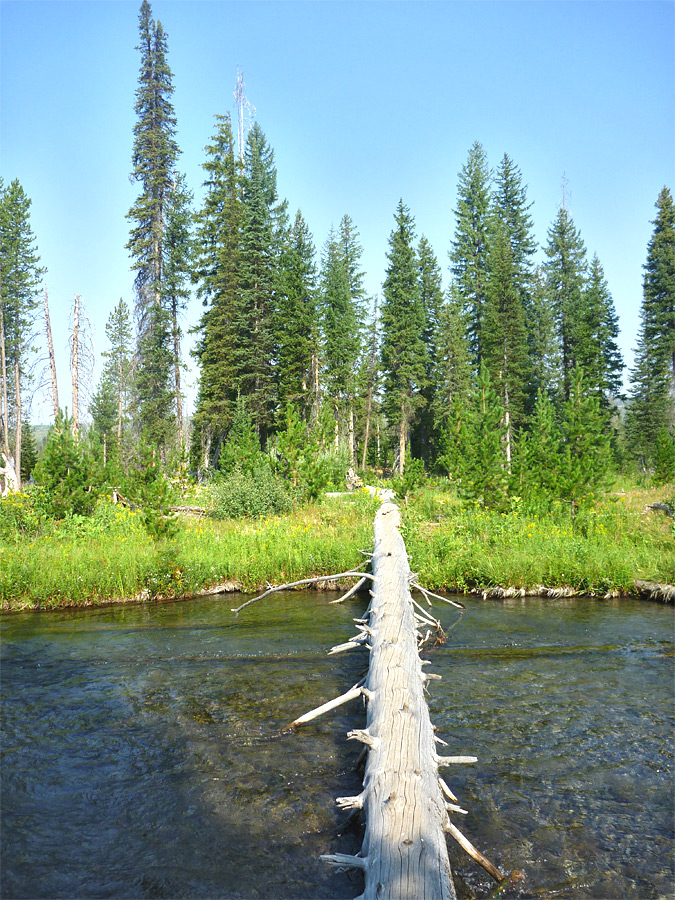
pixel 363 103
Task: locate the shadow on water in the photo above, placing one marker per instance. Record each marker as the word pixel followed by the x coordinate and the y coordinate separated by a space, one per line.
pixel 142 752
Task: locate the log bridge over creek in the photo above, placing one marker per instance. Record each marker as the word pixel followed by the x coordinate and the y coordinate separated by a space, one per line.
pixel 408 806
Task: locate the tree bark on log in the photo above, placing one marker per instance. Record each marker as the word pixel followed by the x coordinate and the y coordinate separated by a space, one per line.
pixel 404 853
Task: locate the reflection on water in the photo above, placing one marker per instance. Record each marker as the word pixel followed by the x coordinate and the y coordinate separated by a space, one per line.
pixel 142 753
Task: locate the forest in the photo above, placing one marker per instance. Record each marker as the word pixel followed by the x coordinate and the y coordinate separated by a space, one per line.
pixel 503 394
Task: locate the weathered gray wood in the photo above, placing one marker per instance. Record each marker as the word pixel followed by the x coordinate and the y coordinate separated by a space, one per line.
pixel 404 850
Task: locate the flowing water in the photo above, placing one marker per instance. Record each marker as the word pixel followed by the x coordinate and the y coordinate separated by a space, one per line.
pixel 143 753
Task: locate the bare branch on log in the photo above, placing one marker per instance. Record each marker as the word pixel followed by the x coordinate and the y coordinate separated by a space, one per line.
pixel 352 590
pixel 476 855
pixel 427 593
pixel 344 859
pixel 283 587
pixel 455 760
pixel 351 694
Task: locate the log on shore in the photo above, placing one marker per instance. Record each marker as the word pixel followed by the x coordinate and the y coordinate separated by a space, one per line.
pixel 404 853
pixel 653 591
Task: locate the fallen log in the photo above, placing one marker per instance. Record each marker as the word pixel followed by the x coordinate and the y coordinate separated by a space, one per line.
pixel 653 591
pixel 407 805
pixel 404 852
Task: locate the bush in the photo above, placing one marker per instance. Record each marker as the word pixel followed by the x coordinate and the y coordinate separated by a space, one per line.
pixel 249 496
pixel 19 515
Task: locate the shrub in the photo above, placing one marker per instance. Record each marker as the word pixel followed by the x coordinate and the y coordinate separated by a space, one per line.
pixel 249 496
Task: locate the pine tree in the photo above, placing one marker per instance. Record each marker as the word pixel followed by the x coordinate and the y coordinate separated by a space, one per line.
pixel 154 157
pixel 566 276
pixel 341 325
pixel 597 350
pixel 544 350
pixel 297 325
pixel 505 346
pixel 664 458
pixel 177 265
pixel 29 454
pixel 403 350
pixel 263 223
pixel 538 457
pixel 652 401
pixel 479 460
pixel 469 252
pixel 424 440
pixel 510 207
pixel 586 462
pixel 452 376
pixel 20 277
pixel 217 271
pixel 110 404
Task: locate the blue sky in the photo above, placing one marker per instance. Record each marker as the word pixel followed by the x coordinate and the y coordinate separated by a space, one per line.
pixel 363 103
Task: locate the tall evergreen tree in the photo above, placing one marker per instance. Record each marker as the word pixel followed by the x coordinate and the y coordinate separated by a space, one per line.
pixel 297 325
pixel 154 157
pixel 403 350
pixel 597 350
pixel 263 222
pixel 652 401
pixel 110 404
pixel 566 276
pixel 505 347
pixel 544 349
pixel 510 206
pixel 20 277
pixel 424 441
pixel 178 265
pixel 217 271
pixel 452 372
pixel 342 325
pixel 469 251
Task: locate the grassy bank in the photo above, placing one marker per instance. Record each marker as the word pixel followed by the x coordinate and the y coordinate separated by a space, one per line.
pixel 110 555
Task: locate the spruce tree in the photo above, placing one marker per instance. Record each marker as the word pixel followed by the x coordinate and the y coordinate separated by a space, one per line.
pixel 479 457
pixel 538 457
pixel 341 326
pixel 566 276
pixel 452 375
pixel 586 461
pixel 469 251
pixel 20 277
pixel 403 350
pixel 178 265
pixel 217 272
pixel 424 440
pixel 297 325
pixel 154 157
pixel 263 222
pixel 110 403
pixel 597 350
pixel 544 349
pixel 505 346
pixel 652 395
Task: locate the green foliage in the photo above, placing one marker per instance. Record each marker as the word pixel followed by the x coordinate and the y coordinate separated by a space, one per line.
pixel 241 451
pixel 29 453
pixel 664 458
pixel 651 406
pixel 251 495
pixel 21 513
pixel 65 474
pixel 469 252
pixel 479 459
pixel 586 459
pixel 413 478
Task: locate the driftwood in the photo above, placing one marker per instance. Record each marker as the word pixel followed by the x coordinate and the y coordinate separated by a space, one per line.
pixel 653 591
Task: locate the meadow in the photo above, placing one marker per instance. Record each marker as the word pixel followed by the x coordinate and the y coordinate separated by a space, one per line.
pixel 111 556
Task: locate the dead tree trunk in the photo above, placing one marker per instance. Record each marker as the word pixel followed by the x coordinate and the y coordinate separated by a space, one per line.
pixel 404 852
pixel 52 358
pixel 74 365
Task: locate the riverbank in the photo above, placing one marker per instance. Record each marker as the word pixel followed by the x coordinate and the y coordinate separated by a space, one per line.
pixel 110 557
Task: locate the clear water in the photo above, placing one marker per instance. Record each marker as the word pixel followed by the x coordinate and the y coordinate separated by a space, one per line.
pixel 143 753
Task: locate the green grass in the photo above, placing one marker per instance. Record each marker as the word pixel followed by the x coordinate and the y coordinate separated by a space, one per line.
pixel 110 556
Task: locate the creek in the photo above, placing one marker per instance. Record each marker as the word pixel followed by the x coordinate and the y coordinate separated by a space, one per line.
pixel 143 753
